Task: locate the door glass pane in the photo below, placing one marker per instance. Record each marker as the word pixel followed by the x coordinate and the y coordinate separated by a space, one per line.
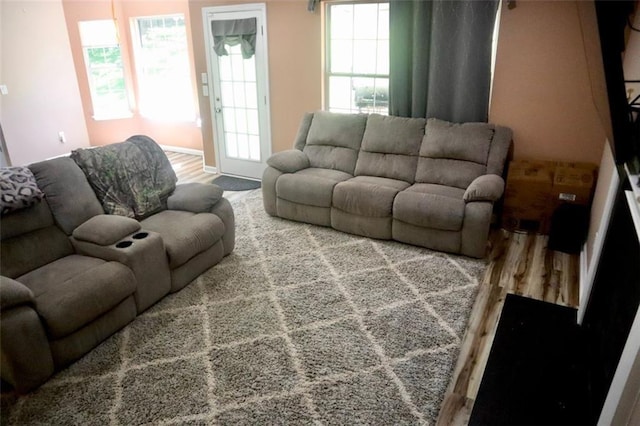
pixel 239 101
pixel 231 144
pixel 254 147
pixel 243 145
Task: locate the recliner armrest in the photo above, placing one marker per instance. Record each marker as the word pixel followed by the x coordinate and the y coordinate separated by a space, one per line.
pixel 289 161
pixel 105 229
pixel 195 197
pixel 485 188
pixel 13 293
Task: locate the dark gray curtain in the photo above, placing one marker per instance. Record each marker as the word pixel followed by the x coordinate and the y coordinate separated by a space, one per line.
pixel 233 32
pixel 440 58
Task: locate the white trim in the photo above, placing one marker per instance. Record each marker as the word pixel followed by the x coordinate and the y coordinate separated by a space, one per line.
pixel 586 280
pixel 633 208
pixel 210 169
pixel 631 347
pixel 182 150
pixel 265 128
pixel 241 177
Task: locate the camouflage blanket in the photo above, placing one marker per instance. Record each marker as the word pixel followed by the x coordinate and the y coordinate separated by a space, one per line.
pixel 131 178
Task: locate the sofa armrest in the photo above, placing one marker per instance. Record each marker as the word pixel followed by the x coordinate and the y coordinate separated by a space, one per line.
pixel 26 358
pixel 144 253
pixel 13 293
pixel 289 161
pixel 105 229
pixel 485 188
pixel 195 197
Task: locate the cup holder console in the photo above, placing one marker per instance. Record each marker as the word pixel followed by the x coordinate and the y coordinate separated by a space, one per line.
pixel 140 235
pixel 124 244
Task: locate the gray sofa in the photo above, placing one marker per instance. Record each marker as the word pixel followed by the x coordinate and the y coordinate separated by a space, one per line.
pixel 72 275
pixel 424 182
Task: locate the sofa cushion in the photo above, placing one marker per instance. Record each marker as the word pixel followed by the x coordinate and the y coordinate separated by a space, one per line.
pixel 75 290
pixel 390 147
pixel 431 188
pixel 185 234
pixel 18 189
pixel 311 187
pixel 303 130
pixel 26 220
pixel 422 207
pixel 466 141
pixel 31 250
pixel 454 154
pixel 448 172
pixel 367 195
pixel 334 139
pixel 70 197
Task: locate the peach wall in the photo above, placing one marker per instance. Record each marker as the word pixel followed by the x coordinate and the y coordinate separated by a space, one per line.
pixel 295 73
pixel 542 88
pixel 37 69
pixel 102 132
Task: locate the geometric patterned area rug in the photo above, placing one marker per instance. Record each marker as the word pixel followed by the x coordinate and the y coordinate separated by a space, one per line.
pixel 299 325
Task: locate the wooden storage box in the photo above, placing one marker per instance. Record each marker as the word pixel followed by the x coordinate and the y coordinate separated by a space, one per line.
pixel 527 201
pixel 573 183
pixel 534 189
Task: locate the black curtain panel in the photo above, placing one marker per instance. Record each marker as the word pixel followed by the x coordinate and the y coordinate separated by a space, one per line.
pixel 440 58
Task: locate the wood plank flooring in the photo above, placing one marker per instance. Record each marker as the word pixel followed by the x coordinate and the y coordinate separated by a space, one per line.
pixel 519 263
pixel 190 168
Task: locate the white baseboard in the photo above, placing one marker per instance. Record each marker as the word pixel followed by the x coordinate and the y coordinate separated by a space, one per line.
pixel 210 169
pixel 182 150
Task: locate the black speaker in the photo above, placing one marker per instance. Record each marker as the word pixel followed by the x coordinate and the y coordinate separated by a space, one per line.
pixel 569 227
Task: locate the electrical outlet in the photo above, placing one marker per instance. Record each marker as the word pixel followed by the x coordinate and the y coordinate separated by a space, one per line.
pixel 61 137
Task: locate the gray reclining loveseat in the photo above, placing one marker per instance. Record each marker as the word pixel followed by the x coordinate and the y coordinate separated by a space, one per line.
pixel 72 275
pixel 429 183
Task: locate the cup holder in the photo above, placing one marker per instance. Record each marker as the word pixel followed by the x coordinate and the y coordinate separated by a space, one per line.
pixel 140 235
pixel 124 244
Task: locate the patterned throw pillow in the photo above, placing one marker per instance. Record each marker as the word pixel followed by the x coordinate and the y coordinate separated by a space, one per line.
pixel 18 189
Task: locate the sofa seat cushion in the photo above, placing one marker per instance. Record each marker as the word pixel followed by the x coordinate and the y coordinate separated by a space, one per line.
pixel 75 290
pixel 367 195
pixel 311 187
pixel 431 206
pixel 185 234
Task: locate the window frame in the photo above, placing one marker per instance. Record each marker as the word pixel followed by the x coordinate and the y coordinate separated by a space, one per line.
pixel 327 73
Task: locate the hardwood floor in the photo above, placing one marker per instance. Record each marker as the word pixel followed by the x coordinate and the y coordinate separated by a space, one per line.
pixel 519 263
pixel 190 168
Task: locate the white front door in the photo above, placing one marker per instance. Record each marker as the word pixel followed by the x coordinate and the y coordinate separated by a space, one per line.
pixel 240 98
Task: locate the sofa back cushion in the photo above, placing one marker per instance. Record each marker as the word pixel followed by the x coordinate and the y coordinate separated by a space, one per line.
pixel 30 239
pixel 390 147
pixel 454 154
pixel 133 178
pixel 70 197
pixel 333 140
